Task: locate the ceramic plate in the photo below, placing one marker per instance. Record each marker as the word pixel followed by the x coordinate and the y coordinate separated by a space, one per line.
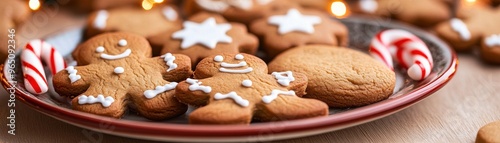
pixel 361 30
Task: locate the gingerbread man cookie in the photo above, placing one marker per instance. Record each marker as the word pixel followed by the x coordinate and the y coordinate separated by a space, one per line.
pixel 243 11
pixel 489 133
pixel 117 71
pixel 203 35
pixel 234 88
pixel 12 14
pixel 133 19
pixel 425 13
pixel 295 27
pixel 474 26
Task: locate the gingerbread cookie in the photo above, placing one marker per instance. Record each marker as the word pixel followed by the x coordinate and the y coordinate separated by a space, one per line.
pixel 235 88
pixel 12 14
pixel 133 19
pixel 424 13
pixel 203 35
pixel 340 77
pixel 119 70
pixel 474 26
pixel 295 27
pixel 243 11
pixel 93 5
pixel 489 133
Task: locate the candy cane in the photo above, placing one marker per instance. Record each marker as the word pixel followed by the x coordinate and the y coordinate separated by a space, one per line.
pixel 34 74
pixel 408 50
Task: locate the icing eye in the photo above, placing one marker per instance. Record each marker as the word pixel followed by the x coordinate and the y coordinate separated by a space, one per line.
pixel 239 57
pixel 122 43
pixel 218 58
pixel 100 49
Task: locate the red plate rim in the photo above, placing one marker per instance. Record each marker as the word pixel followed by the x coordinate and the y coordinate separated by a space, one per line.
pixel 165 129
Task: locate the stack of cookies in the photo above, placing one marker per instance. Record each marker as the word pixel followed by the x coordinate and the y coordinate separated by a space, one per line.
pixel 236 61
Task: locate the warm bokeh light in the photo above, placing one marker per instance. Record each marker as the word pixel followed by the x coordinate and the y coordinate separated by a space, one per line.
pixel 339 9
pixel 470 1
pixel 147 5
pixel 34 4
pixel 157 1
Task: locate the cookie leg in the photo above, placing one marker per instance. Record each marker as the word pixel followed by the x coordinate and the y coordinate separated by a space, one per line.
pixel 490 50
pixel 290 107
pixel 221 112
pixel 157 104
pixel 101 101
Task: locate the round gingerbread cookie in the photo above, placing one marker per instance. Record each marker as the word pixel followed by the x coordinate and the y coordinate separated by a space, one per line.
pixel 133 20
pixel 489 133
pixel 243 11
pixel 340 77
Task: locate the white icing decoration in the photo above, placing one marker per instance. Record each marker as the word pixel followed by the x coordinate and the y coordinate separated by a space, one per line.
pixel 169 60
pixel 241 4
pixel 294 21
pixel 238 99
pixel 459 26
pixel 196 85
pixel 101 19
pixel 207 33
pixel 126 53
pixel 368 6
pixel 159 89
pixel 119 70
pixel 222 5
pixel 73 76
pixel 493 40
pixel 169 13
pixel 218 58
pixel 246 83
pixel 284 80
pixel 122 43
pixel 228 65
pixel 106 102
pixel 264 2
pixel 274 94
pixel 247 70
pixel 212 5
pixel 239 57
pixel 100 49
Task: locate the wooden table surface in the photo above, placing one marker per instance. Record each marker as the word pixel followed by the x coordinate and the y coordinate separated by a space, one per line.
pixel 453 114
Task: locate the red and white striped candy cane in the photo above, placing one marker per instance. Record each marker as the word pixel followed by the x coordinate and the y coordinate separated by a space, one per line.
pixel 408 50
pixel 34 74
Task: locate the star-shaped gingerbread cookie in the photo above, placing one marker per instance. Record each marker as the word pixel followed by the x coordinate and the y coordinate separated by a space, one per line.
pixel 475 25
pixel 203 35
pixel 236 88
pixel 297 27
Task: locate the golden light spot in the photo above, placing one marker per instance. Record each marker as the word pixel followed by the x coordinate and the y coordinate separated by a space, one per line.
pixel 147 5
pixel 339 9
pixel 34 4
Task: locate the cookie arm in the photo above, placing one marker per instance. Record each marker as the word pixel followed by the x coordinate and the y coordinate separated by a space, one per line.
pixel 177 69
pixel 195 98
pixel 72 82
pixel 299 85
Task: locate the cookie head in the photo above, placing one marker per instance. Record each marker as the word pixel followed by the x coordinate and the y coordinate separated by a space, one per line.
pixel 230 64
pixel 111 47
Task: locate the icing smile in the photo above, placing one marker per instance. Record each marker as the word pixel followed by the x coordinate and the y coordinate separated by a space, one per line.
pixel 225 66
pixel 126 53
